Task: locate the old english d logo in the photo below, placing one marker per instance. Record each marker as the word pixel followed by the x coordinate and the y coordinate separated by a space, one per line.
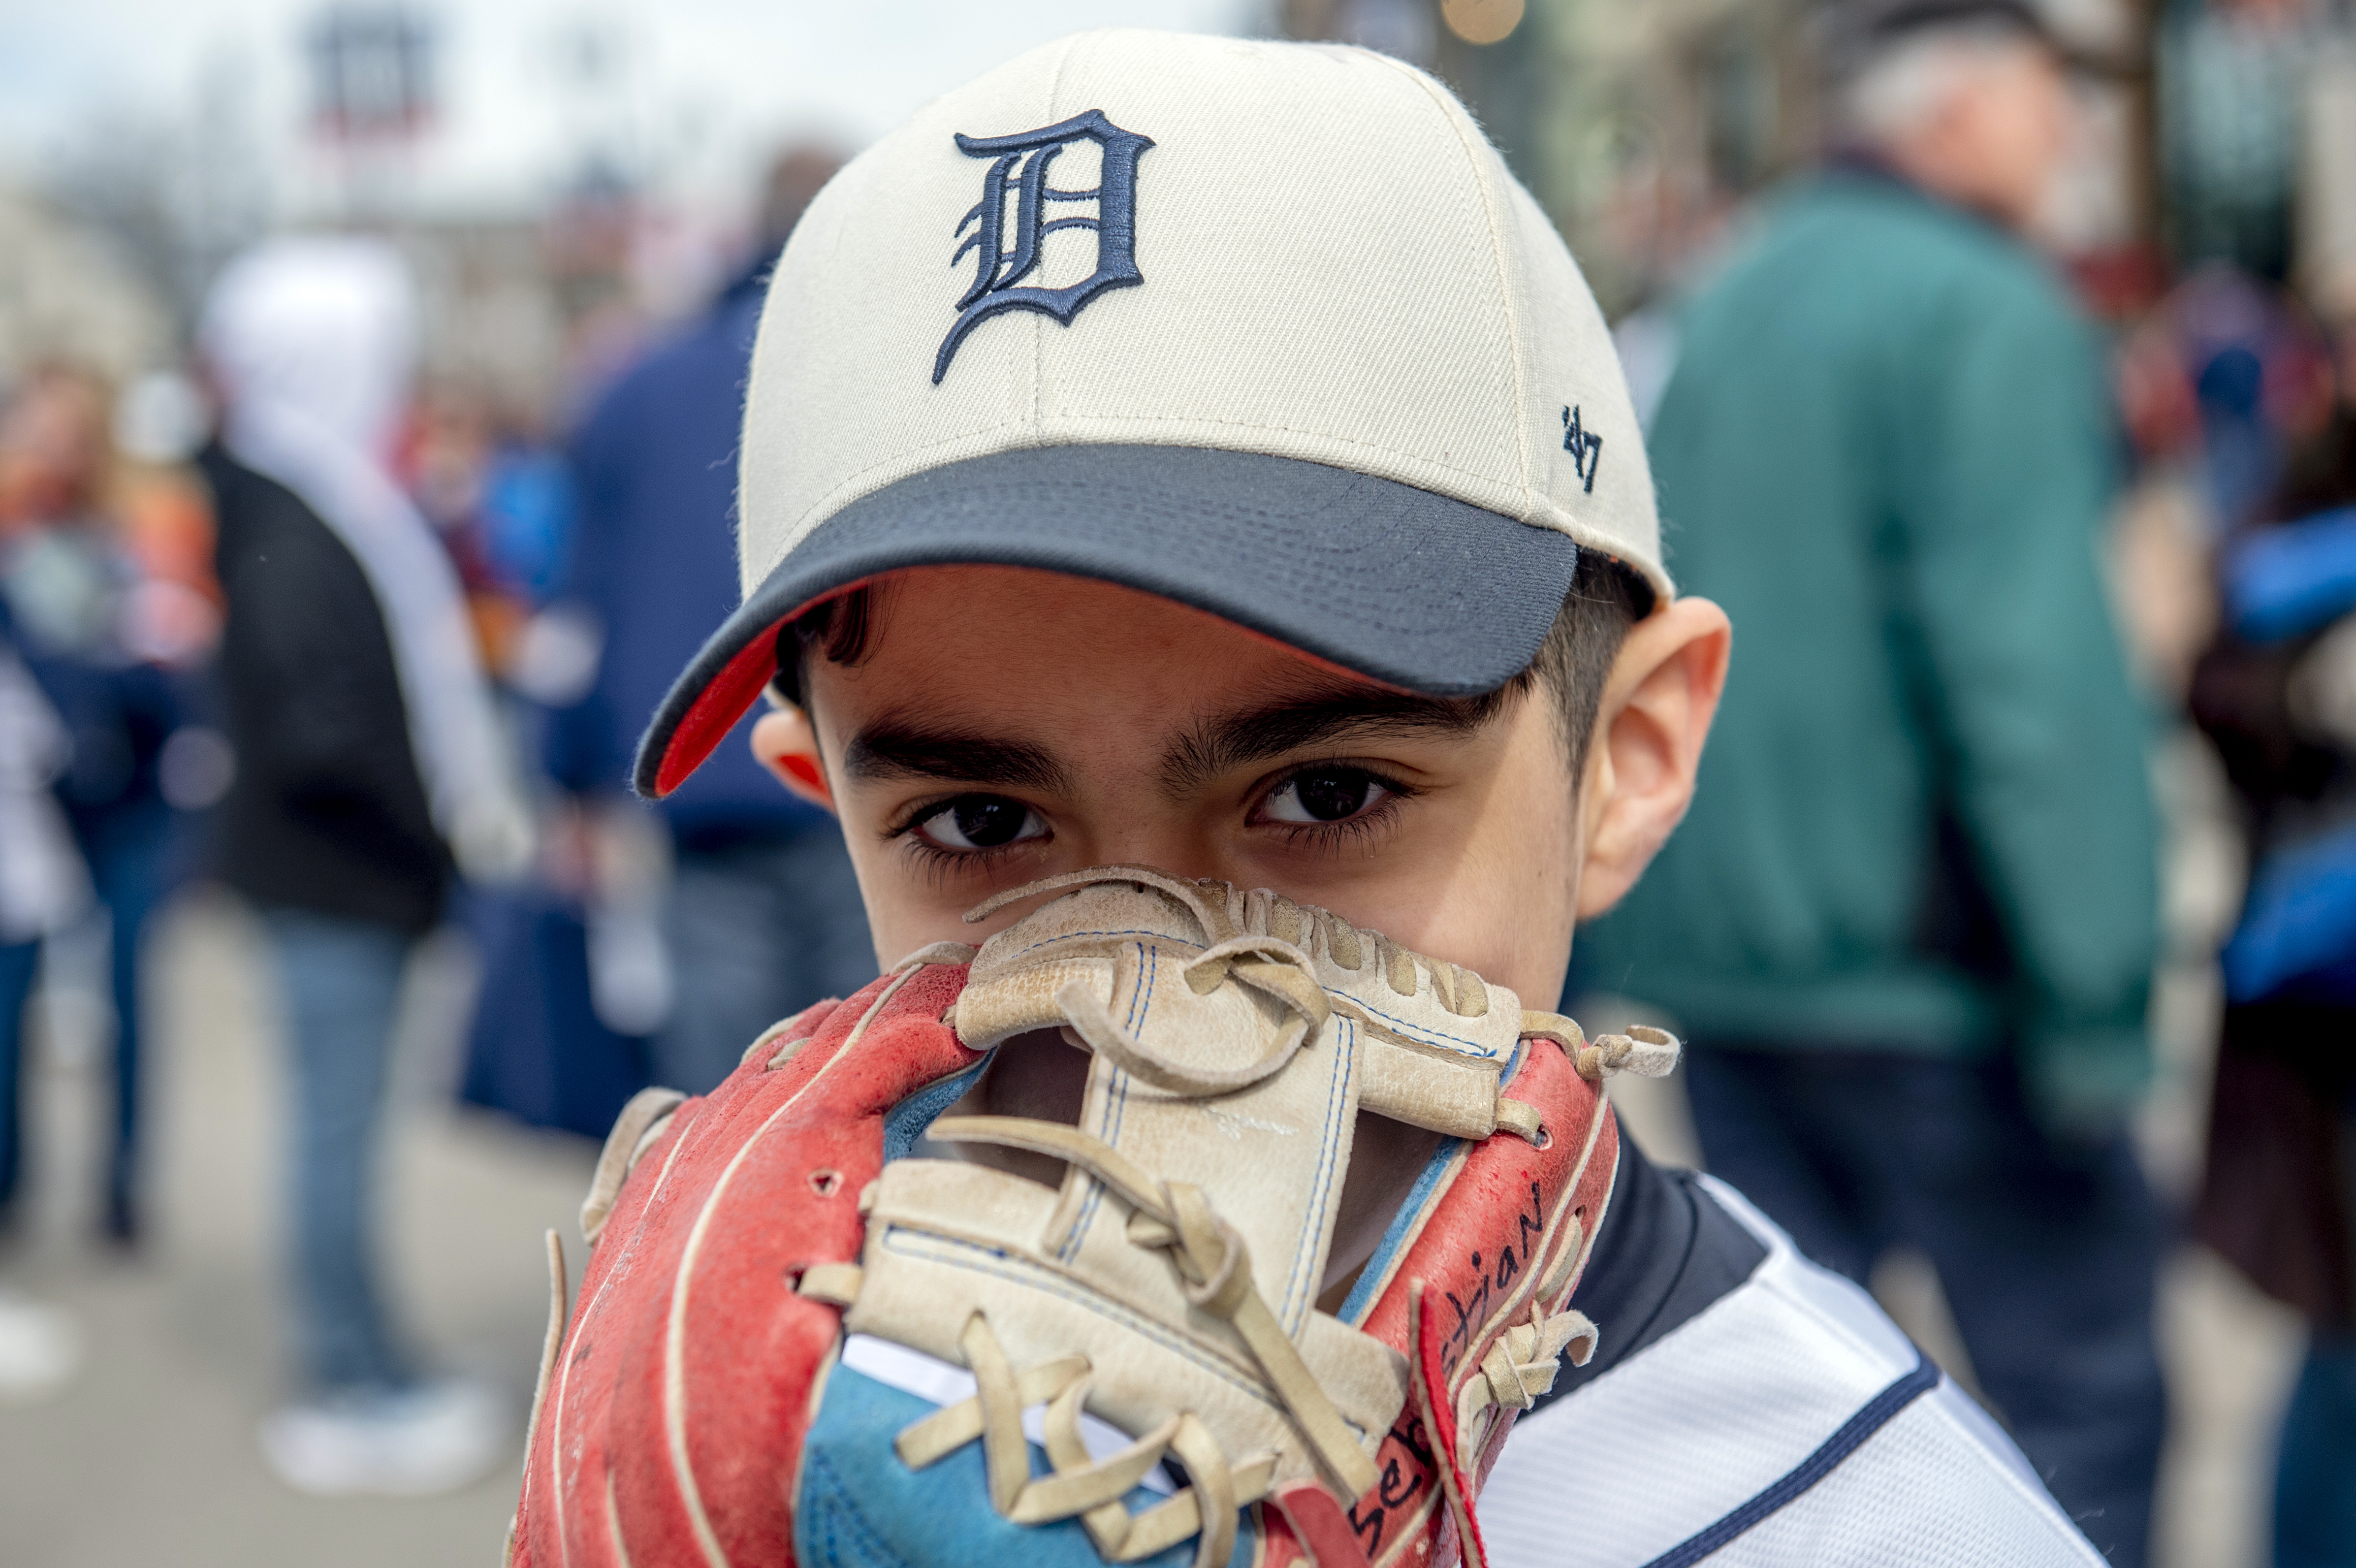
pixel 1018 169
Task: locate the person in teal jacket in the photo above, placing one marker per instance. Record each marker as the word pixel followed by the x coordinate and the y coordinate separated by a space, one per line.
pixel 1910 920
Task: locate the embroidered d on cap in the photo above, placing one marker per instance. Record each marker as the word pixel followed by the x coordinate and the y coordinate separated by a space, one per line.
pixel 1264 328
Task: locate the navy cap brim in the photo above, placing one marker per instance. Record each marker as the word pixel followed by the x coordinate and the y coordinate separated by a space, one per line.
pixel 1407 587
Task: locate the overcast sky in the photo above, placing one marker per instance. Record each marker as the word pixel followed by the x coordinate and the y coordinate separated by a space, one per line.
pixel 701 90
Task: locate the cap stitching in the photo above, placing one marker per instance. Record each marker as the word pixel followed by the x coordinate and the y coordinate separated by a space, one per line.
pixel 1459 123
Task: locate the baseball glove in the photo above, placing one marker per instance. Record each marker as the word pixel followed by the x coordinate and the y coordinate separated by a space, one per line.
pixel 829 1320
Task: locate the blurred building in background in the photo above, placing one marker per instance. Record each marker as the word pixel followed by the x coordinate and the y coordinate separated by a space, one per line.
pixel 67 293
pixel 2218 129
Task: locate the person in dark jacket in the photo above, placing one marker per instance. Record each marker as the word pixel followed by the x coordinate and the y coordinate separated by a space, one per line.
pixel 2276 693
pixel 367 771
pixel 76 596
pixel 763 915
pixel 1910 921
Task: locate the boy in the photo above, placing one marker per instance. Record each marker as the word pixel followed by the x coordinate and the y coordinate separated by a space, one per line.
pixel 1267 507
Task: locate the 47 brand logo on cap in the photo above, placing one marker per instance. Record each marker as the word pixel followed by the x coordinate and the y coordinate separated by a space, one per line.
pixel 1585 446
pixel 1007 253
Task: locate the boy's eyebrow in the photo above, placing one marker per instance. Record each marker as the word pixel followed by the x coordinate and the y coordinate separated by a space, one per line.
pixel 1229 741
pixel 899 749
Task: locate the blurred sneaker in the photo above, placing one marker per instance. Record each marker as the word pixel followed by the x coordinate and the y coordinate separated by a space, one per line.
pixel 436 1437
pixel 40 1346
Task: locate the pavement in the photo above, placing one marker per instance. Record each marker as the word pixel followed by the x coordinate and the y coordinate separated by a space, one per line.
pixel 148 1457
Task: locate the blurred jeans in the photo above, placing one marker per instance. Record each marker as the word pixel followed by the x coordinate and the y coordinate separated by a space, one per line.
pixel 129 851
pixel 758 929
pixel 18 963
pixel 128 865
pixel 2315 1482
pixel 342 981
pixel 2049 1257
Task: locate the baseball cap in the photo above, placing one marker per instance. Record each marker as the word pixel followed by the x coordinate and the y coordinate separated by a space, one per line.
pixel 1266 329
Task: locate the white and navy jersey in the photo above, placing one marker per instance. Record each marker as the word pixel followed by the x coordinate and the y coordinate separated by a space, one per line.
pixel 1756 1410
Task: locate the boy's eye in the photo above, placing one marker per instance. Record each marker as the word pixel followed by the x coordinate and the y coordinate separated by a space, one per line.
pixel 1325 795
pixel 981 822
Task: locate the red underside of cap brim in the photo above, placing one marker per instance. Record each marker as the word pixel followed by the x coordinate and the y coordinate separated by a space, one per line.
pixel 717 708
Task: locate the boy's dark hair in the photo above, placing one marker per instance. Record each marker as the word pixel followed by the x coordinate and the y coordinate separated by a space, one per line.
pixel 1606 599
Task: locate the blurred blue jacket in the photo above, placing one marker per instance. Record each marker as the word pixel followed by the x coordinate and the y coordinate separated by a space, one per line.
pixel 655 561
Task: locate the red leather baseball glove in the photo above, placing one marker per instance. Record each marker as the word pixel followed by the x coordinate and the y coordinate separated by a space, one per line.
pixel 831 1318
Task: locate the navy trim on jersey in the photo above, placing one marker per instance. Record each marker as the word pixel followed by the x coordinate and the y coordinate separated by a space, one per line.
pixel 1876 1413
pixel 1668 1250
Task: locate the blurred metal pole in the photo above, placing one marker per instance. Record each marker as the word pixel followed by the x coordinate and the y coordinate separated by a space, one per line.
pixel 2146 191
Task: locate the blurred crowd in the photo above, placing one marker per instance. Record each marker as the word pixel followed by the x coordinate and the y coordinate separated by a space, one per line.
pixel 291 619
pixel 373 650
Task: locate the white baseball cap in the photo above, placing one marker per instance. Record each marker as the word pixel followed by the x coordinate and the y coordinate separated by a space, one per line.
pixel 1267 328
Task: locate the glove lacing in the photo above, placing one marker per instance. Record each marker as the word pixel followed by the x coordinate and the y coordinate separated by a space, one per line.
pixel 1214 1268
pixel 1268 950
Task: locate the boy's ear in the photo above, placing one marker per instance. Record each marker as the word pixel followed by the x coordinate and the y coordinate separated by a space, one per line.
pixel 1657 706
pixel 786 745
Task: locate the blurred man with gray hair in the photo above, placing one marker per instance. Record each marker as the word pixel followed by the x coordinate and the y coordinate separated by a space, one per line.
pixel 1912 918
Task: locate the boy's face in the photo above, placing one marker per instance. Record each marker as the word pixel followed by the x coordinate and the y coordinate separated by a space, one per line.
pixel 1008 724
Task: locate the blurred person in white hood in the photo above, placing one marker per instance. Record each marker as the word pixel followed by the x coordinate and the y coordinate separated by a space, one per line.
pixel 369 767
